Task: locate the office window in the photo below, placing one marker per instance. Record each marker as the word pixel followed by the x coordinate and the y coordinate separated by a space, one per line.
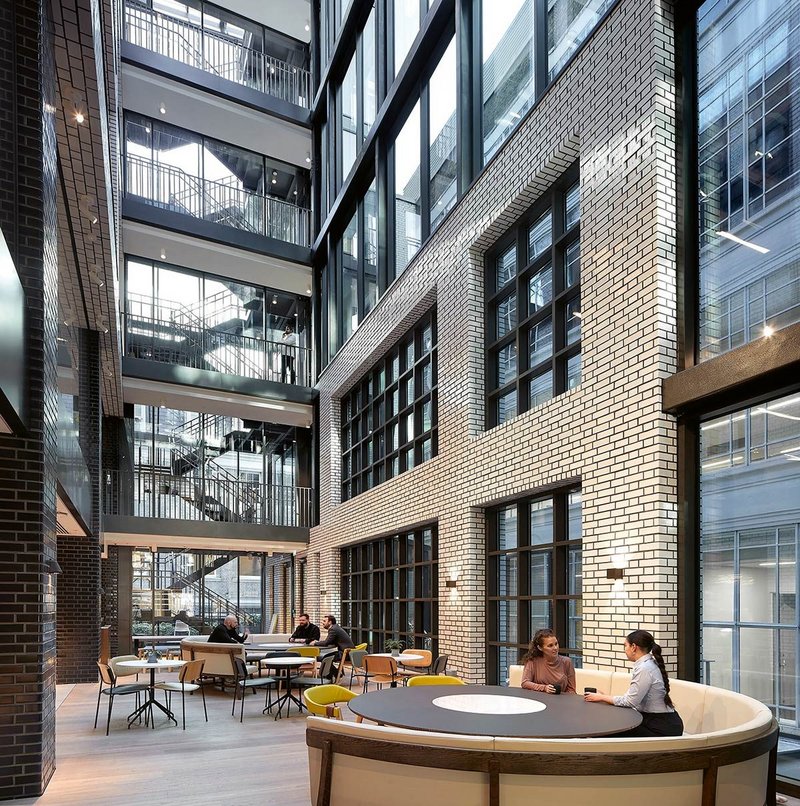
pixel 508 68
pixel 533 312
pixel 406 27
pixel 389 418
pixel 348 108
pixel 442 137
pixel 407 201
pixel 390 589
pixel 749 539
pixel 533 578
pixel 748 127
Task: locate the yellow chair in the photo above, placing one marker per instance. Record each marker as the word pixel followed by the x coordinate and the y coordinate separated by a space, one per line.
pixel 311 652
pixel 435 680
pixel 321 700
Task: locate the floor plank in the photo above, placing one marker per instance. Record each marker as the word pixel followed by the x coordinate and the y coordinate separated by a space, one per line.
pixel 259 761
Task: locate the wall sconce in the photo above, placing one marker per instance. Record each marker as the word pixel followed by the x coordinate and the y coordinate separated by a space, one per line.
pixel 52 567
pixel 615 573
pixel 451 583
pixel 323 593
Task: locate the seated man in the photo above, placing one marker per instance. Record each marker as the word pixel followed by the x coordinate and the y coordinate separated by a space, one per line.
pixel 306 632
pixel 336 637
pixel 228 632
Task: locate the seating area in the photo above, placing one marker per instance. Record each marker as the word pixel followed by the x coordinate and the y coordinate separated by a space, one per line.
pixel 726 758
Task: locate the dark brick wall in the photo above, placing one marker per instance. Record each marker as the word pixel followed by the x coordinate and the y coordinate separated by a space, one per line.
pixel 79 557
pixel 28 171
pixel 109 581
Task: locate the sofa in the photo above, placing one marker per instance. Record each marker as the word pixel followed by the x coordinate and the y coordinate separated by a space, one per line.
pixel 726 758
pixel 219 657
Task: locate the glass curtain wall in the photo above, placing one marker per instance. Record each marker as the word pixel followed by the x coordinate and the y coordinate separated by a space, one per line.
pixel 750 535
pixel 192 466
pixel 442 156
pixel 407 191
pixel 748 107
pixel 223 44
pixel 179 316
pixel 390 589
pixel 187 173
pixel 406 22
pixel 172 588
pixel 534 578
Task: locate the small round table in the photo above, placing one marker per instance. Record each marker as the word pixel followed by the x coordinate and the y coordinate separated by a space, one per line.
pixel 147 707
pixel 405 658
pixel 493 711
pixel 285 666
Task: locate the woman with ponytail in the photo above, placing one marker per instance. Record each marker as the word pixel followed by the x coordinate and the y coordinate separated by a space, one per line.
pixel 648 692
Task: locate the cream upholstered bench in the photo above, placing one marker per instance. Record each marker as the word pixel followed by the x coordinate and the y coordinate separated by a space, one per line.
pixel 218 657
pixel 726 758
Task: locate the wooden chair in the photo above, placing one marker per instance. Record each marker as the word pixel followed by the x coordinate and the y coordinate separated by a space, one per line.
pixel 108 678
pixel 380 671
pixel 414 668
pixel 105 644
pixel 188 680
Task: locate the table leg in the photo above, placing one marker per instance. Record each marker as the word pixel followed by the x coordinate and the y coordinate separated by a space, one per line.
pixel 147 707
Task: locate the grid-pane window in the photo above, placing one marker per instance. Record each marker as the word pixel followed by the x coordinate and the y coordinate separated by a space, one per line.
pixel 534 577
pixel 534 306
pixel 389 418
pixel 390 589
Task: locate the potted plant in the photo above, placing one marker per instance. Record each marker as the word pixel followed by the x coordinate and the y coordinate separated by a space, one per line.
pixel 393 646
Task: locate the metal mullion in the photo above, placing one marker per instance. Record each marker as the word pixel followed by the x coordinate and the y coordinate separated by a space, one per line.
pixel 567 237
pixel 540 48
pixel 424 164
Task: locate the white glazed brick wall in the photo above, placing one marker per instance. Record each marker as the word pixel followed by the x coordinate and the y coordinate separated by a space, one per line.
pixel 613 109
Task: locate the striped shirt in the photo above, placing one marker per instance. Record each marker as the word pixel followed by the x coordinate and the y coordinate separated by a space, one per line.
pixel 646 692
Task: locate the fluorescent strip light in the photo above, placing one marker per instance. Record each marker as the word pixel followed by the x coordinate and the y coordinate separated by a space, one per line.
pixel 778 414
pixel 731 237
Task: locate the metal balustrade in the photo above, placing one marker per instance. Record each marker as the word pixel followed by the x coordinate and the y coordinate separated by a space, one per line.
pixel 156 493
pixel 216 54
pixel 167 341
pixel 223 203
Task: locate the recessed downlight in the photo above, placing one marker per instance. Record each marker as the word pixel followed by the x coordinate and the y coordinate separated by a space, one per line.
pixel 79 117
pixel 162 108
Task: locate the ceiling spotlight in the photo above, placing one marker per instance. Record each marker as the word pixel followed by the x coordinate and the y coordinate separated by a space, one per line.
pixel 768 331
pixel 308 290
pixel 79 118
pixel 274 299
pixel 308 157
pixel 274 173
pixel 295 193
pixel 94 220
pixel 274 181
pixel 162 108
pixel 272 70
pixel 163 255
pixel 307 27
pixel 147 129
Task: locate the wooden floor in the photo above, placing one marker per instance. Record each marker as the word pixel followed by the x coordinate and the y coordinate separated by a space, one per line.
pixel 260 761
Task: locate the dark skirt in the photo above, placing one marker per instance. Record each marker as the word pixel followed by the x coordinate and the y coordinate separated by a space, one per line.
pixel 669 724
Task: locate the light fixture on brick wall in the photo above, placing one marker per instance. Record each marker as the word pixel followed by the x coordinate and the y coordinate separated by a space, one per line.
pixel 323 593
pixel 615 573
pixel 51 566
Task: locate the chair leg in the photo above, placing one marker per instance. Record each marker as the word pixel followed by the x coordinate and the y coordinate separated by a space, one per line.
pixel 203 692
pixel 183 708
pixel 110 703
pixel 233 704
pixel 97 712
pixel 241 710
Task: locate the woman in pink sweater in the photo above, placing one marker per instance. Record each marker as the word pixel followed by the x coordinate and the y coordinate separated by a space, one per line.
pixel 545 670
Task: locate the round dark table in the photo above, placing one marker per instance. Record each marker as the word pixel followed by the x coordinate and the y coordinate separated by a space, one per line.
pixel 564 716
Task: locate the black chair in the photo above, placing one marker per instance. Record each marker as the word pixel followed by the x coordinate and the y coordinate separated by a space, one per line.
pixel 325 671
pixel 246 683
pixel 439 666
pixel 108 678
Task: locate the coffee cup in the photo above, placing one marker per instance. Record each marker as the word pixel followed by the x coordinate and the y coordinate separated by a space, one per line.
pixel 557 687
pixel 590 690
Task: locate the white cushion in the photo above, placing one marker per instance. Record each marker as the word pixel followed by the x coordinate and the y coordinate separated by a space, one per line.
pixel 597 678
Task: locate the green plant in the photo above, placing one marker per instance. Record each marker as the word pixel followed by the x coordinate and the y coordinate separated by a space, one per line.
pixel 390 644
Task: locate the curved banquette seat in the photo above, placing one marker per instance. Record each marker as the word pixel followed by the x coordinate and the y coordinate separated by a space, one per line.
pixel 726 758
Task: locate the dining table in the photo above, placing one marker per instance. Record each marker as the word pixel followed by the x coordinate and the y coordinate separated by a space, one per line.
pixel 151 702
pixel 283 667
pixel 493 711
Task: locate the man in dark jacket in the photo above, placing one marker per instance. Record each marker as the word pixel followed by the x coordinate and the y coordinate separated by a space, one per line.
pixel 336 637
pixel 228 632
pixel 306 632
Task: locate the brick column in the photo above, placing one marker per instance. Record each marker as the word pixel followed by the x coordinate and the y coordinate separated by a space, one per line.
pixel 28 171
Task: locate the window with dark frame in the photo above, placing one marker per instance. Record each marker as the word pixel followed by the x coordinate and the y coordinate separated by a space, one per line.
pixel 389 589
pixel 533 306
pixel 389 419
pixel 533 578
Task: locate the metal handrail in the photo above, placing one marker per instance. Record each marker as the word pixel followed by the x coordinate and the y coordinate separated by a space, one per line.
pixel 165 341
pixel 173 189
pixel 159 494
pixel 217 54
